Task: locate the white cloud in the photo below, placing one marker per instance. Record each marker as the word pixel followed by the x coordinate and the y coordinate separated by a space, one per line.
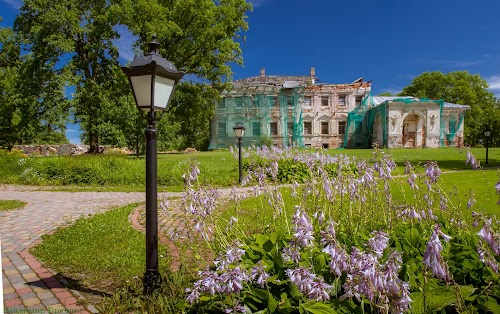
pixel 125 43
pixel 258 3
pixel 16 4
pixel 494 82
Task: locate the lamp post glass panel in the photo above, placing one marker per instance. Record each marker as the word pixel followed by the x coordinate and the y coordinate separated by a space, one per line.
pixel 239 131
pixel 487 134
pixel 153 79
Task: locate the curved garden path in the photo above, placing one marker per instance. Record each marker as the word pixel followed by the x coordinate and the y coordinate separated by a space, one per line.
pixel 29 285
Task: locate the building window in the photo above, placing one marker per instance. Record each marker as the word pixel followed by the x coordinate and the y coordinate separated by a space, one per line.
pixel 342 125
pixel 256 102
pixel 307 145
pixel 289 101
pixel 273 128
pixel 256 128
pixel 307 101
pixel 324 100
pixel 359 99
pixel 238 102
pixel 222 104
pixel 222 129
pixel 341 100
pixel 307 128
pixel 275 101
pixel 324 127
pixel 290 128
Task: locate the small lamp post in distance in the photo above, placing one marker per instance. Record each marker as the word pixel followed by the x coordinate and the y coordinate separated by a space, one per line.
pixel 153 80
pixel 487 134
pixel 239 132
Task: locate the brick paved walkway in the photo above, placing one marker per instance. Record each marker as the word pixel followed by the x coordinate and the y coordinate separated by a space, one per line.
pixel 27 284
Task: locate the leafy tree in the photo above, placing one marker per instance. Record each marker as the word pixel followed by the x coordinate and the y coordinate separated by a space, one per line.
pixel 199 37
pixel 75 37
pixel 386 94
pixel 33 108
pixel 464 88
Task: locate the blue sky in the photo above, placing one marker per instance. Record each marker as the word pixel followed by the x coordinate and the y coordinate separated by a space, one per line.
pixel 387 41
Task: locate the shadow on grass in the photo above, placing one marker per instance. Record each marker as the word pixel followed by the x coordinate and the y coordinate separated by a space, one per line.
pixel 453 164
pixel 60 281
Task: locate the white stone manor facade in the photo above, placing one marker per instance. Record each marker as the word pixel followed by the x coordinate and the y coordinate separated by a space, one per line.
pixel 300 111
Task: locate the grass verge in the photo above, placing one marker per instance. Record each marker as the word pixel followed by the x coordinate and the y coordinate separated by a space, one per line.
pixel 104 253
pixel 11 204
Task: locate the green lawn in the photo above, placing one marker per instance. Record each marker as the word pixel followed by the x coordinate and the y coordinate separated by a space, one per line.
pixel 11 204
pixel 219 168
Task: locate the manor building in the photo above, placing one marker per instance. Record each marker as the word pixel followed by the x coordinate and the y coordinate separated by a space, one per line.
pixel 302 111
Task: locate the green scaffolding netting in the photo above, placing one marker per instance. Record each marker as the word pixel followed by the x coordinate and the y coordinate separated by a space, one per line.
pixel 369 121
pixel 268 113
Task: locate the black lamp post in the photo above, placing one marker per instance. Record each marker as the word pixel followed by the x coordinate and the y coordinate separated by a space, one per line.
pixel 239 131
pixel 487 133
pixel 153 81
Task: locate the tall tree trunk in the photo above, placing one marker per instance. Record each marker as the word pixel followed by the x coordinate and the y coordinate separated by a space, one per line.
pixel 94 143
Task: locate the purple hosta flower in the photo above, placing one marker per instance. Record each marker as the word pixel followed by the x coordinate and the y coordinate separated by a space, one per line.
pixel 378 243
pixel 402 305
pixel 443 202
pixel 259 275
pixel 310 285
pixel 295 186
pixel 232 257
pixel 433 172
pixel 367 178
pixel 497 187
pixel 411 180
pixel 237 308
pixel 328 236
pixel 291 253
pixel 488 259
pixel 234 195
pixel 339 259
pixel 432 255
pixel 428 199
pixel 413 214
pixel 486 233
pixel 319 216
pixel 303 229
pixel 232 280
pixel 471 201
pixel 472 160
pixel 408 167
pixel 431 216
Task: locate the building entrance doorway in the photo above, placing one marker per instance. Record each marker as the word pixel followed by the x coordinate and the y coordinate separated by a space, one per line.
pixel 410 129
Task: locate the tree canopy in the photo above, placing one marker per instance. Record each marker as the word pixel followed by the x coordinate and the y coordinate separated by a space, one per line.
pixel 72 43
pixel 461 87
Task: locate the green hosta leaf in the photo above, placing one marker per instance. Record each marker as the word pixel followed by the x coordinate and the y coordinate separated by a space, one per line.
pixel 294 291
pixel 492 305
pixel 260 239
pixel 319 262
pixel 314 307
pixel 413 237
pixel 272 304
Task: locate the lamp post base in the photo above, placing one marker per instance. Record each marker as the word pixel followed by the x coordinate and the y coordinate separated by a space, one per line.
pixel 151 281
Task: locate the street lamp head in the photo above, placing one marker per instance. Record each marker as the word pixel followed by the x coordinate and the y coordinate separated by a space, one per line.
pixel 153 79
pixel 239 130
pixel 487 132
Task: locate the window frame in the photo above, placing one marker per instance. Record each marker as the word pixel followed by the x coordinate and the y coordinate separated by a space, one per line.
pixel 323 124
